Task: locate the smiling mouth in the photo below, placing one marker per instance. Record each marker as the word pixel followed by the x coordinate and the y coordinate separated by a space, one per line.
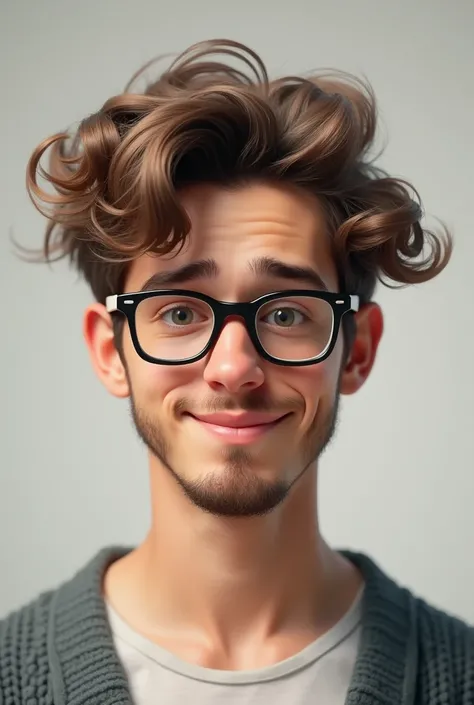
pixel 239 434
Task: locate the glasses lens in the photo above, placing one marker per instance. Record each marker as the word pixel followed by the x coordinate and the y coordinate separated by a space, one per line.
pixel 173 327
pixel 296 328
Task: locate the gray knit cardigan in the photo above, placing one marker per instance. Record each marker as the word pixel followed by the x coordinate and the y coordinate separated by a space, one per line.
pixel 58 650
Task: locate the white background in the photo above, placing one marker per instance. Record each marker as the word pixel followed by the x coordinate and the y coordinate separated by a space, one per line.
pixel 398 482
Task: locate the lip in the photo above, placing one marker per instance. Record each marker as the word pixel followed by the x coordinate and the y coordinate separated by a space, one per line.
pixel 239 429
pixel 240 420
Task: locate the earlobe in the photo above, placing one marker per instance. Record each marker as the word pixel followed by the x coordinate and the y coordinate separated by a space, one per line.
pixel 369 329
pixel 106 362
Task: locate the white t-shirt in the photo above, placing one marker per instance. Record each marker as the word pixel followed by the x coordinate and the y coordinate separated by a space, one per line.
pixel 321 672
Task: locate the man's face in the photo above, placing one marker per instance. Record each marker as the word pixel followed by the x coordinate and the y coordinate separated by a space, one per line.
pixel 220 474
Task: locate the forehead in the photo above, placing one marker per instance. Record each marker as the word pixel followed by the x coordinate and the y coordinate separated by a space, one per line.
pixel 235 226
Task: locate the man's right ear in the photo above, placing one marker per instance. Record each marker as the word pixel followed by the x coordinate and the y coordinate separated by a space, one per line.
pixel 99 336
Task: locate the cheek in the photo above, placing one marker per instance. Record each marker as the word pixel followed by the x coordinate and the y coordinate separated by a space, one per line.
pixel 149 383
pixel 314 382
pixel 155 387
pixel 317 385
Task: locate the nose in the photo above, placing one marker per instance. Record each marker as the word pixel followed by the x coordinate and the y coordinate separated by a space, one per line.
pixel 234 364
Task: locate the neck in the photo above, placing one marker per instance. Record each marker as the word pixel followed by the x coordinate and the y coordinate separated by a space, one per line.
pixel 222 577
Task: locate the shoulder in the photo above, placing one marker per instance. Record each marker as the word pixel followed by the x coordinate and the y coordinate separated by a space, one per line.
pixel 433 625
pixel 24 648
pixel 39 640
pixel 33 613
pixel 436 648
pixel 442 634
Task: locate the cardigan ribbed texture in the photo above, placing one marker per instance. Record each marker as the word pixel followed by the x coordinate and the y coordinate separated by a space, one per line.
pixel 59 650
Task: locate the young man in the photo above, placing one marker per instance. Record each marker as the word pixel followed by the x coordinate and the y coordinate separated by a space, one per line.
pixel 232 230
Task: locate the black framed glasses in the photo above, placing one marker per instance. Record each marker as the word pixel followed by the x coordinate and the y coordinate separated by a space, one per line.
pixel 177 326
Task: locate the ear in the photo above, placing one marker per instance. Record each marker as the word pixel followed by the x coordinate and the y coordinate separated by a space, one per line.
pixel 369 329
pixel 105 358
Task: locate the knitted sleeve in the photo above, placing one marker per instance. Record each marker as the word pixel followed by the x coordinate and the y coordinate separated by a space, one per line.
pixel 446 663
pixel 24 671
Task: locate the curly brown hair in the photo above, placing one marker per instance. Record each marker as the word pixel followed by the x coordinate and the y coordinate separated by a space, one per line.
pixel 117 178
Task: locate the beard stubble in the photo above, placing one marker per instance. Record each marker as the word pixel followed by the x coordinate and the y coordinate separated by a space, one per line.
pixel 236 490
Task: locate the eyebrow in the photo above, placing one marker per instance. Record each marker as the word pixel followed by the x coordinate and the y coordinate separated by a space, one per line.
pixel 260 266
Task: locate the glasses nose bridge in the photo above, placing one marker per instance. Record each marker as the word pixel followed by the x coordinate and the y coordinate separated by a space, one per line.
pixel 244 310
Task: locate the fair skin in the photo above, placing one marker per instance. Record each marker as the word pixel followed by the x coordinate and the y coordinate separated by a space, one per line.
pixel 234 573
